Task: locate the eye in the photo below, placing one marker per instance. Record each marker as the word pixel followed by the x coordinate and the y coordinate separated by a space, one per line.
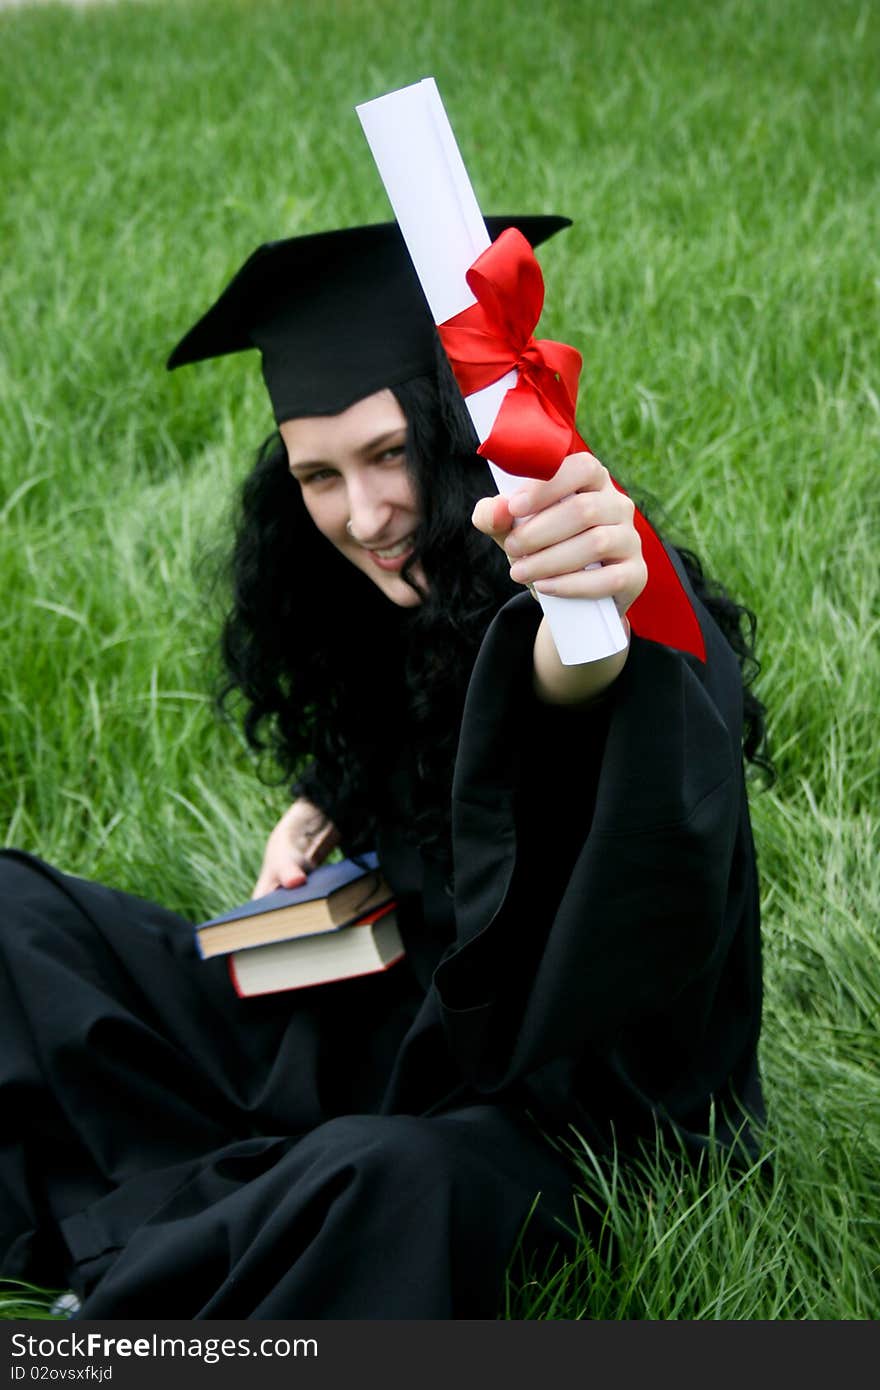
pixel 391 455
pixel 319 475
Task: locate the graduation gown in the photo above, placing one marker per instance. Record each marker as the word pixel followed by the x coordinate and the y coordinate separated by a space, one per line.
pixel 372 1148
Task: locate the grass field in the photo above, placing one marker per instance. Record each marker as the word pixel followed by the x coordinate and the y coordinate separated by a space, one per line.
pixel 721 165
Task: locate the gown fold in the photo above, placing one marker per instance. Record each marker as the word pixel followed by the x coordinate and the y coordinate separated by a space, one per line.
pixel 372 1148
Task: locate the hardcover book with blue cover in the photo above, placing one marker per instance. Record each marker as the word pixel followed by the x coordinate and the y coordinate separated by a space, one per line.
pixel 332 897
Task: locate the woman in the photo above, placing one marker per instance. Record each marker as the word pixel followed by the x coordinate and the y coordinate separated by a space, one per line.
pixel 569 848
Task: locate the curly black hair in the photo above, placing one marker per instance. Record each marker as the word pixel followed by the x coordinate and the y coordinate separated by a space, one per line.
pixel 330 674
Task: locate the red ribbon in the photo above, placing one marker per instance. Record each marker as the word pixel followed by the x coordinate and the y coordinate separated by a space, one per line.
pixel 663 611
pixel 535 429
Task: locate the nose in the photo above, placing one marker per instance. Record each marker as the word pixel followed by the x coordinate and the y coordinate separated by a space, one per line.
pixel 369 507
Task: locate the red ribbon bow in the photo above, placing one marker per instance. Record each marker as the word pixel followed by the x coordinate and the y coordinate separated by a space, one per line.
pixel 534 429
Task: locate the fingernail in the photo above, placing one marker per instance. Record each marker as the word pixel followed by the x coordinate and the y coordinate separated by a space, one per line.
pixel 499 513
pixel 519 503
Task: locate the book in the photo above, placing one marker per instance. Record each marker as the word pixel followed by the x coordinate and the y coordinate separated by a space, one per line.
pixel 332 896
pixel 365 947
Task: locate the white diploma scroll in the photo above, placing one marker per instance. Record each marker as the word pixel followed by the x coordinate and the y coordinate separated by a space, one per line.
pixel 427 184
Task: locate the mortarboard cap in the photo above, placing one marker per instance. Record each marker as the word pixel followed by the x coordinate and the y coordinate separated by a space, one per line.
pixel 336 315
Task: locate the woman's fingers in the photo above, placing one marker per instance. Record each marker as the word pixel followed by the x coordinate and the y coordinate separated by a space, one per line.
pixel 492 516
pixel 598 545
pixel 291 876
pixel 604 562
pixel 574 515
pixel 303 837
pixel 278 875
pixel 622 580
pixel 573 535
pixel 320 845
pixel 579 472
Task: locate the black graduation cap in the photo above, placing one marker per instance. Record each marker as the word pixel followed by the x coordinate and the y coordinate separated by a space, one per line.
pixel 336 315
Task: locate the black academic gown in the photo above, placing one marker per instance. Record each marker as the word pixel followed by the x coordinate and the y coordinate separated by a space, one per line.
pixel 373 1147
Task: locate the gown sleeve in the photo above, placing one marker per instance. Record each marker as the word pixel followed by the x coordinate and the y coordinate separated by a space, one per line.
pixel 606 893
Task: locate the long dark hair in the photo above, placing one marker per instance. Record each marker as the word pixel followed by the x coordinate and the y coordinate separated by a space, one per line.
pixel 331 675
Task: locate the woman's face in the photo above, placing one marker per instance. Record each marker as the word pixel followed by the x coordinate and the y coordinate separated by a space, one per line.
pixel 352 471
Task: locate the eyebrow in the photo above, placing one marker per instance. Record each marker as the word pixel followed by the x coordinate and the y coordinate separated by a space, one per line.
pixel 386 437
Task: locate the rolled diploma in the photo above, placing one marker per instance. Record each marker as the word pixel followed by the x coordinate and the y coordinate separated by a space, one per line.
pixel 427 184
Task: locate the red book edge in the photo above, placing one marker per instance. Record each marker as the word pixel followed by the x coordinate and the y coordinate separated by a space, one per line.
pixel 283 989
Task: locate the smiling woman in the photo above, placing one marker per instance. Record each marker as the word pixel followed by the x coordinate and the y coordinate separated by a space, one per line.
pixel 569 849
pixel 358 489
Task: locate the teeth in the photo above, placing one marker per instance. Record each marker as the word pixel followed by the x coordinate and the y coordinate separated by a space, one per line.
pixel 400 549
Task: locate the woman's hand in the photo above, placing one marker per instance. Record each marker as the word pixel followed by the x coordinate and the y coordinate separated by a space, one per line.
pixel 301 840
pixel 552 532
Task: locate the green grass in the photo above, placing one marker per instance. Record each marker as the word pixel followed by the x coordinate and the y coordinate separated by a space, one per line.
pixel 721 165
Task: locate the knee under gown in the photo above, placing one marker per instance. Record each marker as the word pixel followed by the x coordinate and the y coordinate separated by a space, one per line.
pixel 373 1148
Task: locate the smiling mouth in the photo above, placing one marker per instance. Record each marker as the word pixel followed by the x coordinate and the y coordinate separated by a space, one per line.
pixel 393 552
